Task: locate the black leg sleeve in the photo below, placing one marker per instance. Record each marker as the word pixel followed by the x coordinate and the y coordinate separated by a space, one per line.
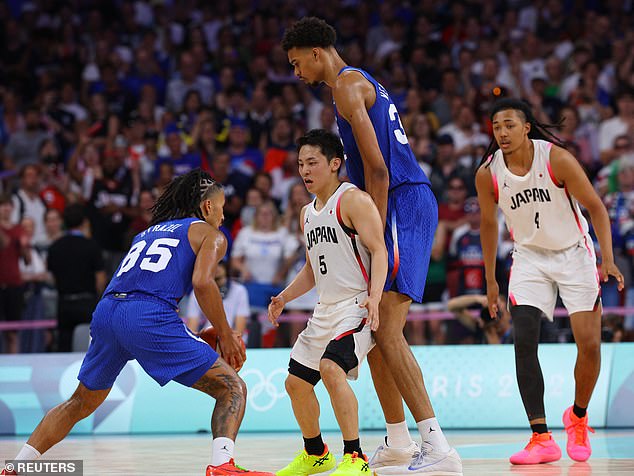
pixel 526 326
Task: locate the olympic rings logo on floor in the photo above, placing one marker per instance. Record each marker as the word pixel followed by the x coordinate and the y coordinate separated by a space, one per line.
pixel 267 389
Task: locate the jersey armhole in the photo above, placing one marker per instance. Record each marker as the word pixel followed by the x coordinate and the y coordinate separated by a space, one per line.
pixel 346 229
pixel 550 168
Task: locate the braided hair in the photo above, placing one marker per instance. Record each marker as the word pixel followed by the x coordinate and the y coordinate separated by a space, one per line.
pixel 182 197
pixel 538 130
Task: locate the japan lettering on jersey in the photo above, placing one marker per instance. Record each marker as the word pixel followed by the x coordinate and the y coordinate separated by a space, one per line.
pixel 339 260
pixel 538 210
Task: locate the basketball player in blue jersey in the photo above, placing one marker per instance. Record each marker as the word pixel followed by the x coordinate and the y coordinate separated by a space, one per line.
pixel 137 319
pixel 380 162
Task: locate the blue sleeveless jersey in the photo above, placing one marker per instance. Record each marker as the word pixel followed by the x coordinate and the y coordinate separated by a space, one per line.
pixel 399 158
pixel 160 263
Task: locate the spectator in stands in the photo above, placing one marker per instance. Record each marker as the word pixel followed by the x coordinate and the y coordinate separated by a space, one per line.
pixel 188 79
pixel 244 158
pixel 259 255
pixel 24 145
pixel 235 301
pixel 27 201
pixel 13 246
pixel 621 124
pixel 34 278
pixel 78 286
pixel 480 328
pixel 176 154
pixel 445 167
pixel 111 206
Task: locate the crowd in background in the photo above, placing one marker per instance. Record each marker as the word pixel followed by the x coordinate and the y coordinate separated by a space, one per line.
pixel 102 103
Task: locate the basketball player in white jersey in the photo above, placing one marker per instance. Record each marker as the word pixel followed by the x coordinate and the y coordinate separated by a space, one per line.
pixel 344 249
pixel 538 185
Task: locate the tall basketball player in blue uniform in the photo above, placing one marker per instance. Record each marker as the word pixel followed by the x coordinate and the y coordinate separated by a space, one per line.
pixel 380 161
pixel 137 319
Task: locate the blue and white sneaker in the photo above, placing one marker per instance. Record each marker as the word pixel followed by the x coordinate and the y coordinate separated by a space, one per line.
pixel 428 461
pixel 387 456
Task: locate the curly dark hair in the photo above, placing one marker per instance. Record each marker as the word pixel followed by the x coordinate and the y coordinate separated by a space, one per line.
pixel 309 32
pixel 538 130
pixel 328 142
pixel 183 195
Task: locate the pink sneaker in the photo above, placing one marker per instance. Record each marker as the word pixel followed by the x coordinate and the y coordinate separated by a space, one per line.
pixel 578 446
pixel 540 449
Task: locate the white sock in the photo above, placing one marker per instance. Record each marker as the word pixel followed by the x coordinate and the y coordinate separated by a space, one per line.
pixel 430 432
pixel 221 451
pixel 398 435
pixel 28 453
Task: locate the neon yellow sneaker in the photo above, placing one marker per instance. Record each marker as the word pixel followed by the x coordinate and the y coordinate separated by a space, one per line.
pixel 353 465
pixel 305 464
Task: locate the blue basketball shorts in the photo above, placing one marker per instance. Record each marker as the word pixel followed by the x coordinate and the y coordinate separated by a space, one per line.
pixel 412 218
pixel 148 330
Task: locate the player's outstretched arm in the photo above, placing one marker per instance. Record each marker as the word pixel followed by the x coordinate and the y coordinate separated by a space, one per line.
pixel 358 209
pixel 488 233
pixel 210 246
pixel 353 95
pixel 568 172
pixel 303 282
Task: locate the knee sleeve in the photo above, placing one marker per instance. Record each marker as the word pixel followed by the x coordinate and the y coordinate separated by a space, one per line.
pixel 526 326
pixel 308 375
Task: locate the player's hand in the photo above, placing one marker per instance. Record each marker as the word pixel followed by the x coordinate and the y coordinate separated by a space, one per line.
pixel 610 269
pixel 275 309
pixel 372 305
pixel 493 293
pixel 231 349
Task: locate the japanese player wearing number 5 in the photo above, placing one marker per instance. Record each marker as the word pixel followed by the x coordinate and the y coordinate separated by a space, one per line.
pixel 137 319
pixel 346 259
pixel 538 186
pixel 380 162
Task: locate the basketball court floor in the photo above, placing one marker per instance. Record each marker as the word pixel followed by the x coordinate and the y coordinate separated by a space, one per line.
pixel 484 453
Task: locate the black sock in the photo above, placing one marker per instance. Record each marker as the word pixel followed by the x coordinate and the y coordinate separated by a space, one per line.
pixel 539 428
pixel 350 446
pixel 578 411
pixel 314 446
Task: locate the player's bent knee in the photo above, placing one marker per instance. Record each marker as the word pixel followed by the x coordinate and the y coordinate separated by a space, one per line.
pixel 331 371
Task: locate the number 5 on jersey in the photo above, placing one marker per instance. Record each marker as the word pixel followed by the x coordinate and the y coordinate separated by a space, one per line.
pixel 159 247
pixel 322 265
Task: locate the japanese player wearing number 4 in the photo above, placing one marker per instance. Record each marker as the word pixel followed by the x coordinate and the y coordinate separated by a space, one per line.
pixel 346 259
pixel 137 319
pixel 538 185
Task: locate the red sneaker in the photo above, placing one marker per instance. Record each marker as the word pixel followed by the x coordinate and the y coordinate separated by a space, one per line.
pixel 578 446
pixel 232 469
pixel 540 449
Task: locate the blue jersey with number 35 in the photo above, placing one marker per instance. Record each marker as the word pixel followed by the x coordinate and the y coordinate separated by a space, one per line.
pixel 399 158
pixel 160 263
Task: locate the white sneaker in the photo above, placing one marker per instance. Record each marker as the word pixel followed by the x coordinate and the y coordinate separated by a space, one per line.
pixel 387 456
pixel 428 462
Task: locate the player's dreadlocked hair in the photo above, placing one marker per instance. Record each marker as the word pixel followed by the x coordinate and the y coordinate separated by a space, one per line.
pixel 183 195
pixel 309 32
pixel 538 129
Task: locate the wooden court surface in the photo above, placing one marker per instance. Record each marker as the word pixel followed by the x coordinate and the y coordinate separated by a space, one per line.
pixel 484 452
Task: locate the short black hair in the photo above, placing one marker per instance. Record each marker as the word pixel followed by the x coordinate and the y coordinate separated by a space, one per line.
pixel 74 215
pixel 328 142
pixel 309 32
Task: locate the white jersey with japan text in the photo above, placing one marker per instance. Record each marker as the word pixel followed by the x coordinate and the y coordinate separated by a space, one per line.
pixel 340 262
pixel 539 211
